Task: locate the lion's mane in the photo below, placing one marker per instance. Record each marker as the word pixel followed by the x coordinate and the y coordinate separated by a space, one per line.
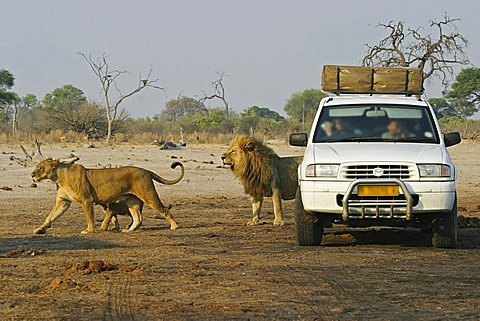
pixel 255 165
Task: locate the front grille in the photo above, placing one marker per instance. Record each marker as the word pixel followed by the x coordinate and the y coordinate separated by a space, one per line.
pixel 376 171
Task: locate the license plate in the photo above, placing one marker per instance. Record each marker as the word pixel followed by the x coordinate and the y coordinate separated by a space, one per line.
pixel 378 190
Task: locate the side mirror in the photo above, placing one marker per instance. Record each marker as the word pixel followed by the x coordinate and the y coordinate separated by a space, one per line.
pixel 452 138
pixel 298 139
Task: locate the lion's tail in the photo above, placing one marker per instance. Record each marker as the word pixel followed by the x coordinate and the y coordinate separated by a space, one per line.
pixel 167 181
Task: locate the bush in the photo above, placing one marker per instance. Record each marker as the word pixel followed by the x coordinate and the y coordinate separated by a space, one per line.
pixel 467 127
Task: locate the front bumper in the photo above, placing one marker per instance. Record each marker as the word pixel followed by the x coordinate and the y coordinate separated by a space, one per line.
pixel 417 197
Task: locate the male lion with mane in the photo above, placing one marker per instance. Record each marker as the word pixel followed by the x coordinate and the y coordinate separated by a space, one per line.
pixel 263 174
pixel 129 184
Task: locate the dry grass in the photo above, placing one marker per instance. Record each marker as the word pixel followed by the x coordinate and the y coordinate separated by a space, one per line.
pixel 55 136
pixel 144 138
pixel 195 138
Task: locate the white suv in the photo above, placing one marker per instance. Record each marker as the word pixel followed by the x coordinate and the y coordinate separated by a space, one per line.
pixel 376 160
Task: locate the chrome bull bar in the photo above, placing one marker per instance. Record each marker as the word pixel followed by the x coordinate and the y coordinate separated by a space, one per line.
pixel 389 208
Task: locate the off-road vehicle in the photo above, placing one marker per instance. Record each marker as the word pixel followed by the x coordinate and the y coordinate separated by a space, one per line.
pixel 375 156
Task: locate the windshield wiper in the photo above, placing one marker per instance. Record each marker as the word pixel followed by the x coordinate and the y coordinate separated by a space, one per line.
pixel 366 139
pixel 379 139
pixel 355 139
pixel 416 140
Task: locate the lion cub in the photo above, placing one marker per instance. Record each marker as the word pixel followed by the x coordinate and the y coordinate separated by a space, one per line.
pixel 111 211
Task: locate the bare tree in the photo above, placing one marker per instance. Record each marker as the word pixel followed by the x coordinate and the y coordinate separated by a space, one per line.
pixel 108 78
pixel 218 92
pixel 11 108
pixel 434 53
pixel 8 105
pixel 22 104
pixel 14 119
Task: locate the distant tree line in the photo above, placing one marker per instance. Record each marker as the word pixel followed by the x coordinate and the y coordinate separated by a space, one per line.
pixel 67 109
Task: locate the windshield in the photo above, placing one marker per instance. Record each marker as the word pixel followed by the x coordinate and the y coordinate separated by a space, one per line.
pixel 378 123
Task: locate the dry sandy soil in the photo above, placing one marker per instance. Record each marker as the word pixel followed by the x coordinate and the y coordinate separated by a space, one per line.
pixel 214 267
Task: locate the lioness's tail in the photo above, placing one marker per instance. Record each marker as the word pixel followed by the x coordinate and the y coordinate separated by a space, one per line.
pixel 167 181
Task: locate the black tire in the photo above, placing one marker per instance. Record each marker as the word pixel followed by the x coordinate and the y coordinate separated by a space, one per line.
pixel 445 229
pixel 426 230
pixel 308 233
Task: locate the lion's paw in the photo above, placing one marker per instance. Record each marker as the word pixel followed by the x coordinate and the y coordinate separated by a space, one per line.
pixel 174 226
pixel 278 223
pixel 40 230
pixel 253 221
pixel 86 232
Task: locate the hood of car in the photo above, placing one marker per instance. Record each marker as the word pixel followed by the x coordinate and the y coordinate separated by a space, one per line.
pixel 338 153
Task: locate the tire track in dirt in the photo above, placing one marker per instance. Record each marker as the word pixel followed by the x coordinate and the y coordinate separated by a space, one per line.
pixel 358 297
pixel 119 301
pixel 300 292
pixel 298 279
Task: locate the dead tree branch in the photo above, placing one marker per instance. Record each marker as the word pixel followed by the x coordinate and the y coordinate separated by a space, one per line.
pixel 218 92
pixel 108 79
pixel 31 158
pixel 435 53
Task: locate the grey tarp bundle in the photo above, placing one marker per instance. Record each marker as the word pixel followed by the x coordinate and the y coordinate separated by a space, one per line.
pixel 372 80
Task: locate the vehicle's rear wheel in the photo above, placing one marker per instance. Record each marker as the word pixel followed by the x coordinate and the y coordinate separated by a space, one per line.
pixel 309 232
pixel 444 229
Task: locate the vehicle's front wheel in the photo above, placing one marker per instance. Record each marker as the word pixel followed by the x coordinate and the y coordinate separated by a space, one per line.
pixel 444 229
pixel 309 230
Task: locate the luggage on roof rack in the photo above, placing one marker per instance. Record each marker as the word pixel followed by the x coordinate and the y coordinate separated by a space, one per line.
pixel 372 80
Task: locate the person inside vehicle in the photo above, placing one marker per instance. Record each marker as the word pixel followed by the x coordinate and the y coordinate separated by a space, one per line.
pixel 343 129
pixel 395 130
pixel 327 127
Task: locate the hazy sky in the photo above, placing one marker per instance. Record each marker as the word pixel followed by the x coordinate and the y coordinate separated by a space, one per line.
pixel 268 49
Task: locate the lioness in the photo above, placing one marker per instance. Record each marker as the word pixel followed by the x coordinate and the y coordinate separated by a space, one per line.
pixel 102 186
pixel 263 174
pixel 113 209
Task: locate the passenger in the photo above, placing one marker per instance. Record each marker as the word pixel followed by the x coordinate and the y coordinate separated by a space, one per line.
pixel 327 127
pixel 343 129
pixel 395 130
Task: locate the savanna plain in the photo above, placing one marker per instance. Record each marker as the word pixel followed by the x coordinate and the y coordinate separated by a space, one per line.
pixel 214 267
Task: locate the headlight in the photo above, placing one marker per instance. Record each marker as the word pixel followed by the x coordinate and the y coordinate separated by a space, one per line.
pixel 434 170
pixel 320 170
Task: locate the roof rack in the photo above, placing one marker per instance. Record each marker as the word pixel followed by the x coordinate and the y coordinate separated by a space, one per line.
pixel 372 80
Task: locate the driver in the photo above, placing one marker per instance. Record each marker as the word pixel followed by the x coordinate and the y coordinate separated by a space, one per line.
pixel 395 130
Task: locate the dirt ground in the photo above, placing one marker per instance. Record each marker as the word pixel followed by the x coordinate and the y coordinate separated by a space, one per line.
pixel 214 267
